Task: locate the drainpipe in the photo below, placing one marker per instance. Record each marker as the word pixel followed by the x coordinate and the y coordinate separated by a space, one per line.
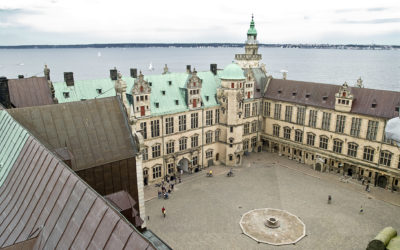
pixel 202 138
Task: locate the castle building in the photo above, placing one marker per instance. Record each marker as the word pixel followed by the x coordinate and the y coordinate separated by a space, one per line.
pixel 192 120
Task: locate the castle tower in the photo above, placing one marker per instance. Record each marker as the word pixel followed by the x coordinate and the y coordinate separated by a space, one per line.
pixel 251 58
pixel 141 97
pixel 231 96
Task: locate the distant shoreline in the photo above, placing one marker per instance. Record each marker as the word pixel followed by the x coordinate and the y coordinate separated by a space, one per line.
pixel 205 45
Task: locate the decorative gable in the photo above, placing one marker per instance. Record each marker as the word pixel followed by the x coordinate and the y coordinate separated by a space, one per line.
pixel 344 98
pixel 193 86
pixel 141 86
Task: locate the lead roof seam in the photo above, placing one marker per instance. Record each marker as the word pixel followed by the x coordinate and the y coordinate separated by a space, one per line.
pixel 9 139
pixel 86 215
pixel 72 215
pixel 73 160
pixel 63 208
pixel 19 190
pixel 85 105
pixel 11 186
pixel 97 226
pixel 39 198
pixel 109 236
pixel 55 202
pixel 27 192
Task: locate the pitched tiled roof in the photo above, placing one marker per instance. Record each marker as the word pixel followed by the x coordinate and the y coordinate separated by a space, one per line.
pixel 96 131
pixel 323 96
pixel 41 197
pixel 28 92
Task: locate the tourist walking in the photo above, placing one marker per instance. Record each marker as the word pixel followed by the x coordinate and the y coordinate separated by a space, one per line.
pixel 361 210
pixel 163 211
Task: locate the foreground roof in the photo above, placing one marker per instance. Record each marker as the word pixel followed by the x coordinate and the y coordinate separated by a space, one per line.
pixel 28 92
pixel 323 96
pixel 40 197
pixel 95 131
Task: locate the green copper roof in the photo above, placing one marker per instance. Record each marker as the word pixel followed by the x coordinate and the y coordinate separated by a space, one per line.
pixel 252 30
pixel 232 72
pixel 12 139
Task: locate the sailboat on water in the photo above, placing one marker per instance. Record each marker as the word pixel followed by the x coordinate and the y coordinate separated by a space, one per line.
pixel 151 68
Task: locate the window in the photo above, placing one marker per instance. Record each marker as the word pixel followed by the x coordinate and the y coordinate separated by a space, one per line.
pixel 143 127
pixel 182 143
pixel 276 129
pixel 288 113
pixel 170 167
pixel 209 137
pixel 254 109
pixel 209 118
pixel 246 127
pixel 267 109
pixel 155 128
pixel 247 110
pixel 169 125
pixel 217 116
pixel 194 120
pixel 231 129
pixel 156 172
pixel 246 145
pixel 195 161
pixel 368 154
pixel 340 123
pixel 254 126
pixel 155 150
pixel 312 121
pixel 355 127
pixel 194 141
pixel 182 122
pixel 310 139
pixel 323 142
pixel 170 147
pixel 337 146
pixel 253 142
pixel 398 166
pixel 217 135
pixel 300 115
pixel 209 154
pixel 372 130
pixel 286 132
pixel 66 94
pixel 298 135
pixel 326 121
pixel 145 154
pixel 352 149
pixel 277 112
pixel 157 105
pixel 386 158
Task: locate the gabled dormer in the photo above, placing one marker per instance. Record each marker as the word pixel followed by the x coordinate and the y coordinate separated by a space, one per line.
pixel 141 97
pixel 344 99
pixel 249 85
pixel 193 87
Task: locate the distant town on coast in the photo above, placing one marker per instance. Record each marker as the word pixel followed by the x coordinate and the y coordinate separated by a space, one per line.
pixel 207 45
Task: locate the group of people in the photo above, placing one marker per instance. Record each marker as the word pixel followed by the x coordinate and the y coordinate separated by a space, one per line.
pixel 166 189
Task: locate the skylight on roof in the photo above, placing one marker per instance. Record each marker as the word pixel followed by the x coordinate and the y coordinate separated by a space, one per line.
pixel 157 104
pixel 176 102
pixel 163 92
pixel 66 94
pixel 308 95
pixel 324 98
pixel 99 91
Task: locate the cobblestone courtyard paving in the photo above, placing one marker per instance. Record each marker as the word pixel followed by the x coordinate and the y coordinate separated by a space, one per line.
pixel 204 213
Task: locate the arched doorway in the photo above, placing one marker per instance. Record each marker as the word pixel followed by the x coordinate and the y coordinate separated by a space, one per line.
pixel 382 181
pixel 184 165
pixel 217 157
pixel 318 167
pixel 145 177
pixel 350 172
pixel 237 159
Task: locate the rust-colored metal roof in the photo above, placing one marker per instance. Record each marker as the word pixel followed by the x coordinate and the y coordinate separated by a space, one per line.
pixel 41 197
pixel 95 131
pixel 28 92
pixel 323 96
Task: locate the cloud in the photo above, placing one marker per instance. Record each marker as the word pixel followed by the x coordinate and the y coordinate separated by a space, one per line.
pixel 371 21
pixel 376 9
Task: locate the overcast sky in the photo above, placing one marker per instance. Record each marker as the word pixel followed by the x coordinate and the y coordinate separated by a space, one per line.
pixel 118 21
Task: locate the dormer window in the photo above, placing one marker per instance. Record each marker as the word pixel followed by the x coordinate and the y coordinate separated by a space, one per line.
pixel 207 98
pixel 294 94
pixel 66 94
pixel 163 92
pixel 324 98
pixel 169 83
pixel 308 95
pixel 279 91
pixel 150 83
pixel 157 104
pixel 373 105
pixel 176 102
pixel 99 91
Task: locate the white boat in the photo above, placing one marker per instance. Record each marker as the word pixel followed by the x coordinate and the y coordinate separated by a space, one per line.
pixel 99 54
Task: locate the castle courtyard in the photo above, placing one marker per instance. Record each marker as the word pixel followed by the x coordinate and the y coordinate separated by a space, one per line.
pixel 204 213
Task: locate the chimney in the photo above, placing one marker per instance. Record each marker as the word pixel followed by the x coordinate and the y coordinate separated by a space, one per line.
pixel 188 69
pixel 213 68
pixel 69 78
pixel 113 74
pixel 46 72
pixel 133 73
pixel 20 76
pixel 4 92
